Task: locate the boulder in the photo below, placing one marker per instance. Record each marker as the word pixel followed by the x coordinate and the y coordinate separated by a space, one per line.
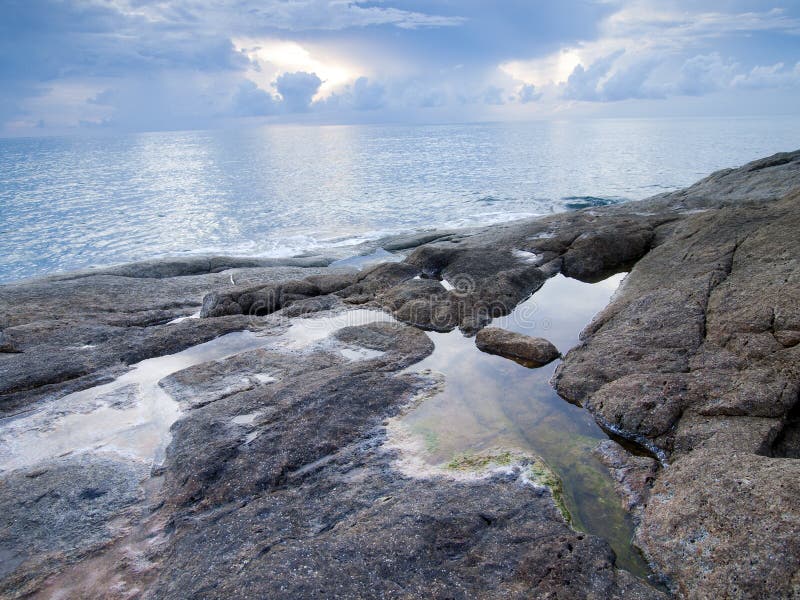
pixel 531 351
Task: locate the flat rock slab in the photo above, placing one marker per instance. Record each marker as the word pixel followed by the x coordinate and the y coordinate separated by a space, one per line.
pixel 530 351
pixel 277 482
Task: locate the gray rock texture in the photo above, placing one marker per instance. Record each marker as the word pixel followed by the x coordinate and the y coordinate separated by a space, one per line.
pixel 303 501
pixel 71 331
pixel 59 513
pixel 696 359
pixel 530 351
pixel 277 482
pixel 633 474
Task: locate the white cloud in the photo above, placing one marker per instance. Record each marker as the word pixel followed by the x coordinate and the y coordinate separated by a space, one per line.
pixel 650 49
pixel 360 96
pixel 251 101
pixel 189 63
pixel 704 74
pixel 287 15
pixel 270 57
pixel 297 90
pixel 528 93
pixel 670 21
pixel 494 95
pixel 553 68
pixel 774 76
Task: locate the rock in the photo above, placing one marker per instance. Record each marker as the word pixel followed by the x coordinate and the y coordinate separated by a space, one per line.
pixel 697 369
pixel 760 181
pixel 487 281
pixel 633 474
pixel 380 278
pixel 404 242
pixel 724 524
pixel 71 331
pixel 257 300
pixel 53 515
pixel 331 283
pixel 596 254
pixel 396 297
pixel 309 493
pixel 351 286
pixel 647 406
pixel 5 344
pixel 423 303
pixel 788 338
pixel 448 540
pixel 531 351
pixel 307 306
pixel 277 481
pixel 403 345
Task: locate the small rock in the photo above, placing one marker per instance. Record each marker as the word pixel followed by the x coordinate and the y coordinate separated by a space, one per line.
pixel 788 338
pixel 531 351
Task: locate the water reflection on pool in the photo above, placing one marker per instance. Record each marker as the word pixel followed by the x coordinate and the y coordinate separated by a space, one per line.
pixel 489 402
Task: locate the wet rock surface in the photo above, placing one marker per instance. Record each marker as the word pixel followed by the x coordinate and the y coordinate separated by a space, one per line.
pixel 58 513
pixel 71 331
pixel 691 361
pixel 277 481
pixel 530 351
pixel 304 500
pixel 633 474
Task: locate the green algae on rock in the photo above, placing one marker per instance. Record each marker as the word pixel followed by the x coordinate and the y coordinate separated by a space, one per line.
pixel 535 471
pixel 483 461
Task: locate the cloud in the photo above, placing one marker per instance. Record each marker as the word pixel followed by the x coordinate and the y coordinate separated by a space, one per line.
pixel 649 50
pixel 423 94
pixel 368 96
pixel 605 81
pixel 493 95
pixel 656 39
pixel 251 101
pixel 527 93
pixel 586 83
pixel 765 77
pixel 145 64
pixel 47 39
pixel 704 74
pixel 293 15
pixel 362 95
pixel 632 81
pixel 342 14
pixel 297 90
pixel 665 22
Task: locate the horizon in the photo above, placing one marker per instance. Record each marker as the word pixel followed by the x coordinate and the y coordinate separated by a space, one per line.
pixel 242 125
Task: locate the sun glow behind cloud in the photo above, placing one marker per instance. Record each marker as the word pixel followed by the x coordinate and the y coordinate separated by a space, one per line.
pixel 128 64
pixel 552 69
pixel 270 58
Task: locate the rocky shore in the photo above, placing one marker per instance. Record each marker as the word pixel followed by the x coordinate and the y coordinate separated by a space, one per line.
pixel 269 475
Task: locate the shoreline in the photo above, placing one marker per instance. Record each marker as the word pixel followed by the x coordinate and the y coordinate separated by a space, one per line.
pixel 695 357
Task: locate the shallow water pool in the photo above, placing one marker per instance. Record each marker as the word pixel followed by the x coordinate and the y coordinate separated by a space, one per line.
pixel 489 403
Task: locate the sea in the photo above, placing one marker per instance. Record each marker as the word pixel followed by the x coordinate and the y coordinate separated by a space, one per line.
pixel 74 202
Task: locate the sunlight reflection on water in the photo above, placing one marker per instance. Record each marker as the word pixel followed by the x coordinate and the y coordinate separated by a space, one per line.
pixel 74 202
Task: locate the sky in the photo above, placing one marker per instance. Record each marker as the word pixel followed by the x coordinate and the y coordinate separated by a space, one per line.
pixel 147 65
